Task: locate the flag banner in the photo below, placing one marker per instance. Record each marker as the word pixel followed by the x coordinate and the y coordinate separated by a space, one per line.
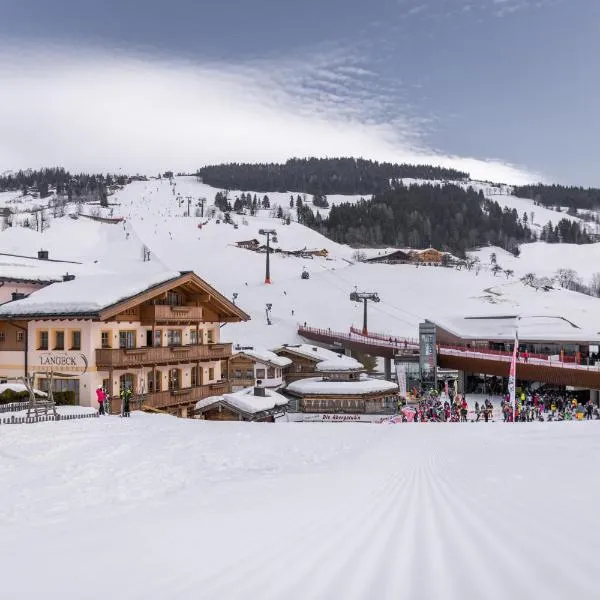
pixel 401 379
pixel 512 377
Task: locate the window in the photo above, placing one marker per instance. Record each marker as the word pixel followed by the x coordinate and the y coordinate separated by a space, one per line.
pixel 173 299
pixel 210 336
pixel 126 339
pixel 193 336
pixel 174 379
pixel 42 340
pixel 194 377
pixel 237 373
pixel 2 336
pixel 105 339
pixel 174 337
pixel 20 336
pixel 270 372
pixel 75 340
pixel 59 340
pixel 157 338
pixel 154 379
pixel 260 373
pixel 211 374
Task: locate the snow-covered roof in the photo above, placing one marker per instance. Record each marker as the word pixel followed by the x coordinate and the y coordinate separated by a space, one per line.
pixel 265 356
pixel 318 387
pixel 531 328
pixel 87 294
pixel 319 354
pixel 22 268
pixel 338 364
pixel 245 400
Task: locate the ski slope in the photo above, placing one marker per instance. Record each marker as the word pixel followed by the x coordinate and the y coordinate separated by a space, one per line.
pixel 155 507
pixel 154 219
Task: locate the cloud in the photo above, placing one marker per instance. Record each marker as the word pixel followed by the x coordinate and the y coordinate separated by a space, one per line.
pixel 109 111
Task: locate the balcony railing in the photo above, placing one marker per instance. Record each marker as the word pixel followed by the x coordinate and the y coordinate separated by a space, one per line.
pixel 159 313
pixel 180 397
pixel 120 358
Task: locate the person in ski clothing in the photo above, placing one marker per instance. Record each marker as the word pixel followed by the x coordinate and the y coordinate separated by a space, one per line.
pixel 126 397
pixel 101 397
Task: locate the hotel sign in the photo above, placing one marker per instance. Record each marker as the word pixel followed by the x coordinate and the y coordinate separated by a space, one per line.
pixel 76 363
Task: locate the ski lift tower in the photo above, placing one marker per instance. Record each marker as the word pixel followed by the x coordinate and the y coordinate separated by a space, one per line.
pixel 268 233
pixel 364 297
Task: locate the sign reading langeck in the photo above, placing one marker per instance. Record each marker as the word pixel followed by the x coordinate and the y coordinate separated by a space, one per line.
pixel 65 361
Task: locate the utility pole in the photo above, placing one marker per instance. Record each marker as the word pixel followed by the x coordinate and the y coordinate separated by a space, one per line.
pixel 268 233
pixel 189 199
pixel 201 202
pixel 364 297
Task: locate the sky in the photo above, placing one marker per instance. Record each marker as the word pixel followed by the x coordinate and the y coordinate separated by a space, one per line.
pixel 505 89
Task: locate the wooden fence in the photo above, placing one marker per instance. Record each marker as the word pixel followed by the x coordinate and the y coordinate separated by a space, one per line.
pixel 14 406
pixel 25 420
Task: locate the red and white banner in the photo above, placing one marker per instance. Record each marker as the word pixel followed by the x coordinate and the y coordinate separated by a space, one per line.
pixel 512 376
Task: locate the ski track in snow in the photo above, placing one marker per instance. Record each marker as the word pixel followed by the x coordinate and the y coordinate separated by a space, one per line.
pixel 157 507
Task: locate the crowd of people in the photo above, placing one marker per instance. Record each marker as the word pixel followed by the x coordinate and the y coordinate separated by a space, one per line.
pixel 548 407
pixel 451 407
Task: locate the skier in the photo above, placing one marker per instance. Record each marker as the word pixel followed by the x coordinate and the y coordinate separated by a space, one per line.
pixel 101 397
pixel 125 398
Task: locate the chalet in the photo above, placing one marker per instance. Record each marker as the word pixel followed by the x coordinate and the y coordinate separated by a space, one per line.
pixel 249 244
pixel 155 334
pixel 391 258
pixel 305 358
pixel 343 389
pixel 429 256
pixel 249 365
pixel 248 404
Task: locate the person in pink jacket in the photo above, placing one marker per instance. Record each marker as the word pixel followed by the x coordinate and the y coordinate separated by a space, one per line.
pixel 101 397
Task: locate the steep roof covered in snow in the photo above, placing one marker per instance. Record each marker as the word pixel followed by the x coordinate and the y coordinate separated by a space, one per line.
pixel 316 386
pixel 264 356
pixel 98 295
pixel 319 355
pixel 245 401
pixel 542 328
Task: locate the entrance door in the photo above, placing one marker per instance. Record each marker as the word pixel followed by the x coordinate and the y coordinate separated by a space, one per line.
pixel 127 382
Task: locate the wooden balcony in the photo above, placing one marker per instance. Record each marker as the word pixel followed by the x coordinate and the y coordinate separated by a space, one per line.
pixel 181 397
pixel 170 314
pixel 123 358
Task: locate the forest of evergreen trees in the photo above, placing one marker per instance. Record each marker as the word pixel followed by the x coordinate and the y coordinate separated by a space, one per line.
pixel 319 176
pixel 72 185
pixel 448 218
pixel 559 195
pixel 565 232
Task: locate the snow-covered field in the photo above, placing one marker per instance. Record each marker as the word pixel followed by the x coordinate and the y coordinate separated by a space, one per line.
pixel 155 507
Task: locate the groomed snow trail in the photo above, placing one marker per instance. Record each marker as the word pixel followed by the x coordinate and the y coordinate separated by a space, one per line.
pixel 156 507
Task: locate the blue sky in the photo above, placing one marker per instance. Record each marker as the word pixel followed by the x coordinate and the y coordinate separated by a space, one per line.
pixel 504 88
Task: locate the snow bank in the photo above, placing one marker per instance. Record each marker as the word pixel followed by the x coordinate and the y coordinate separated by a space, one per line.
pixel 298 511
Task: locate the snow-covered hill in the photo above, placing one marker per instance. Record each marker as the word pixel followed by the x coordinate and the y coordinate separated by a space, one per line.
pixel 154 213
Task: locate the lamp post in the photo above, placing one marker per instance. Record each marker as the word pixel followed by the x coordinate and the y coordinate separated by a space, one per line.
pixel 268 233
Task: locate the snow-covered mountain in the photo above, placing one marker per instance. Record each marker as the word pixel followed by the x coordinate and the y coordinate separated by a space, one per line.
pixel 155 217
